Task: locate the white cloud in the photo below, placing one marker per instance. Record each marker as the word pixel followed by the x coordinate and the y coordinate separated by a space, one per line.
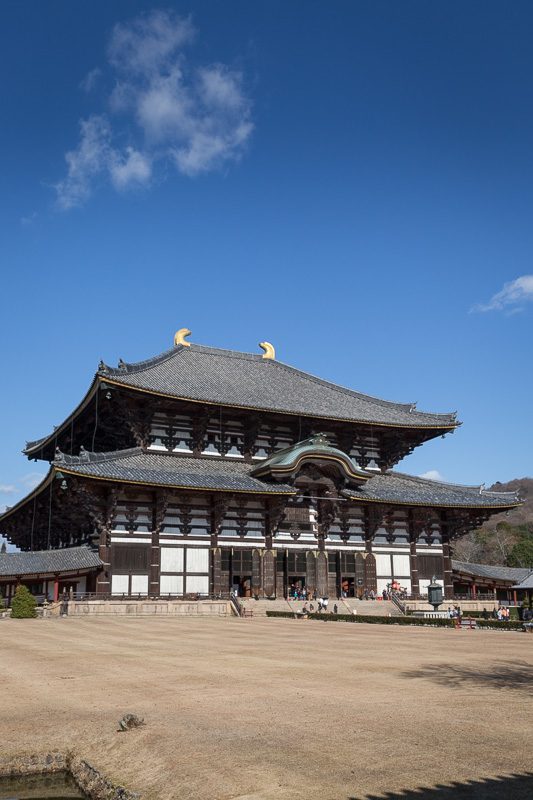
pixel 134 168
pixel 432 475
pixel 31 480
pixel 4 489
pixel 511 298
pixel 89 82
pixel 196 119
pixel 147 44
pixel 29 220
pixel 85 163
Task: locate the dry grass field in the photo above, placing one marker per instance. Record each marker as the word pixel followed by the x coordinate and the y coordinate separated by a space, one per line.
pixel 282 709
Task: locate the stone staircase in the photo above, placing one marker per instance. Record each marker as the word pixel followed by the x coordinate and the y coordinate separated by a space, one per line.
pixel 347 606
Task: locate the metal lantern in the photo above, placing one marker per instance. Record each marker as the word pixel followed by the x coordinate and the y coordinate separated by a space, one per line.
pixel 435 593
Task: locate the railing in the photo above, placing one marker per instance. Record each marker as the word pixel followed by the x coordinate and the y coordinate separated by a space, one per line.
pixel 236 605
pixel 191 596
pixel 401 606
pixel 469 596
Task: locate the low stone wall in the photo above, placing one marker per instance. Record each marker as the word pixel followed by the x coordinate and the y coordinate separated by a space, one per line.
pixel 146 608
pixel 465 605
pixel 88 778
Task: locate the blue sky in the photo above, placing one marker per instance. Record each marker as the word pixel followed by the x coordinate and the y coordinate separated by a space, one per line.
pixel 350 181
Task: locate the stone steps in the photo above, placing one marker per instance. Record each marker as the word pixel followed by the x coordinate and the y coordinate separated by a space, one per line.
pixel 347 606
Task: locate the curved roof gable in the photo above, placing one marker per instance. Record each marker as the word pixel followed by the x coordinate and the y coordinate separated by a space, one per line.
pixel 247 380
pixel 317 448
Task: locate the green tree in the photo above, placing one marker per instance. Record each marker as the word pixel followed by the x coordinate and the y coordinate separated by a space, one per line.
pixel 3 548
pixel 23 604
pixel 522 553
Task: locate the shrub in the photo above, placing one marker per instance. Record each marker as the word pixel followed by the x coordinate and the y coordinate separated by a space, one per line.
pixel 373 620
pixel 23 604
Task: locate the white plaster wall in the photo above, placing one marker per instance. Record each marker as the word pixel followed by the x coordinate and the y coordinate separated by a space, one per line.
pixel 171 584
pixel 120 584
pixel 424 583
pixel 197 561
pixel 401 565
pixel 382 584
pixel 171 559
pixel 139 584
pixel 198 583
pixel 383 565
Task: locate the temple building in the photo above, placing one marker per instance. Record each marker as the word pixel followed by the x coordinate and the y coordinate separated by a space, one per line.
pixel 203 471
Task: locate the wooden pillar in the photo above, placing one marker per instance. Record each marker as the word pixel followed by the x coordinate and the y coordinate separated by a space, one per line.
pixel 56 588
pixel 448 574
pixel 215 570
pixel 474 589
pixel 413 562
pixel 321 573
pixel 153 588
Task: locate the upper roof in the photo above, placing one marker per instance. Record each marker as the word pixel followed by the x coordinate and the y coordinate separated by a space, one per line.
pixel 169 470
pixel 69 559
pixel 490 571
pixel 248 380
pixel 397 488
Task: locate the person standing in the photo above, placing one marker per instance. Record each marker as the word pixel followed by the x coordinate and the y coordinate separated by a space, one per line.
pixel 485 614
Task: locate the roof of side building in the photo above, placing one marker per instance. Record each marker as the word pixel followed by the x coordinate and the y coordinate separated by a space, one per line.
pixel 41 562
pixel 490 571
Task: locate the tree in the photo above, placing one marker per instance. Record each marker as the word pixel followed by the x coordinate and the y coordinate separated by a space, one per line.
pixel 3 548
pixel 522 553
pixel 23 604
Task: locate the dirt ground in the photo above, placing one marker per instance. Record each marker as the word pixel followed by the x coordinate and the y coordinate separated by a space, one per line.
pixel 285 709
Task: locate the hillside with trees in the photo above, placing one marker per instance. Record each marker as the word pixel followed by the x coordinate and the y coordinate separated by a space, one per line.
pixel 506 539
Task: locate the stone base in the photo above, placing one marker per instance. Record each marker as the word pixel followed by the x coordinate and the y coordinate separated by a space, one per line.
pixel 147 608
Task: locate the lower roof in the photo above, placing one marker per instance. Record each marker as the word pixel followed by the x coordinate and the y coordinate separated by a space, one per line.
pixel 400 489
pixel 49 562
pixel 169 470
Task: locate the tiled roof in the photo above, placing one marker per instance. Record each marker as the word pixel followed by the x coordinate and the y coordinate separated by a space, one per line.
pixel 525 583
pixel 488 571
pixel 395 487
pixel 162 469
pixel 69 559
pixel 247 380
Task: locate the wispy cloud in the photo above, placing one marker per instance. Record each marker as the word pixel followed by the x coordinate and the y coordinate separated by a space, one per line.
pixel 5 489
pixel 90 80
pixel 194 118
pixel 432 475
pixel 511 298
pixel 31 480
pixel 29 220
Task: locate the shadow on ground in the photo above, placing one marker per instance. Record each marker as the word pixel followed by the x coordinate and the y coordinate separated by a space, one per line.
pixel 512 787
pixel 505 675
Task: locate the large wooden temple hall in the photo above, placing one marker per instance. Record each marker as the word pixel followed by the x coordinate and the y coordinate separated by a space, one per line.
pixel 203 471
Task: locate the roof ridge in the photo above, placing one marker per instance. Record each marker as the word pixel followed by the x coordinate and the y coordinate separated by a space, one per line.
pixel 88 457
pixel 125 368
